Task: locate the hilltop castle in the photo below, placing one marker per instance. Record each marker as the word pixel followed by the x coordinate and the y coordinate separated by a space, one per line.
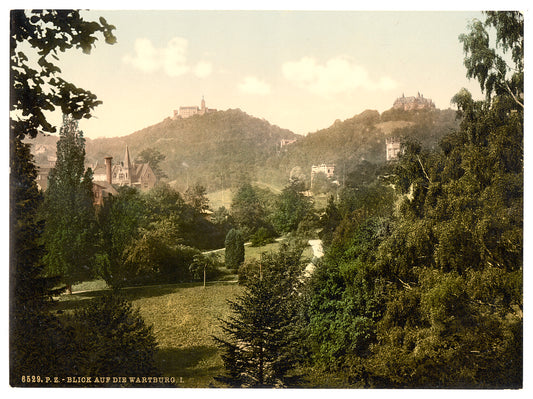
pixel 413 103
pixel 190 110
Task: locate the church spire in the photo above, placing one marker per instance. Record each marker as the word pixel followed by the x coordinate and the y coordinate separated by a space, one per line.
pixel 127 164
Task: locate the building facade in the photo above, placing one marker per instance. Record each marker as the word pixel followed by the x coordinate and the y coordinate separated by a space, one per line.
pixel 286 142
pixel 413 103
pixel 393 148
pixel 327 169
pixel 43 171
pixel 125 173
pixel 190 110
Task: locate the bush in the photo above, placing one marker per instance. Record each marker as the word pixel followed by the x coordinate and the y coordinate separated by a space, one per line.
pixel 112 340
pixel 208 262
pixel 262 237
pixel 248 270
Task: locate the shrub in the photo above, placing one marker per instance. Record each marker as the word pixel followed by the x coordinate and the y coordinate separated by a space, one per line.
pixel 112 340
pixel 262 237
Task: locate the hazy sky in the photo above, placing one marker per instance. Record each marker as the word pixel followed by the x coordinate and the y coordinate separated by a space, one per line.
pixel 300 70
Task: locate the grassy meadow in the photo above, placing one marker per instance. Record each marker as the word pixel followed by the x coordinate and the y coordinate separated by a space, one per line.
pixel 184 319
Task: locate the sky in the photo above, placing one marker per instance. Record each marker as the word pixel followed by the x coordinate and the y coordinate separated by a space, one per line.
pixel 300 70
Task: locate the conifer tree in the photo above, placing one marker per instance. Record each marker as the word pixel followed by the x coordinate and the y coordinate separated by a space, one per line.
pixel 260 343
pixel 30 291
pixel 234 253
pixel 70 219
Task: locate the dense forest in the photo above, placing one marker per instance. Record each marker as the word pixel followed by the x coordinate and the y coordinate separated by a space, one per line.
pixel 421 284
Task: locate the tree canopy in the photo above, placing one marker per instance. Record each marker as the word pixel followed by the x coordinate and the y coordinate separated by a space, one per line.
pixel 39 36
pixel 423 288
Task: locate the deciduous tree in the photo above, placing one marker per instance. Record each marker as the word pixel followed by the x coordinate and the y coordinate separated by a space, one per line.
pixel 152 157
pixel 70 231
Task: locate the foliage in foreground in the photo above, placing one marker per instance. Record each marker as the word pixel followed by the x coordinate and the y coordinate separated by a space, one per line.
pixel 260 341
pixel 70 229
pixel 36 87
pixel 430 294
pixel 152 237
pixel 111 339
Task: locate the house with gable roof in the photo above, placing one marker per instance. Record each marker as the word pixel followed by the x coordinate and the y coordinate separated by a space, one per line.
pixel 126 173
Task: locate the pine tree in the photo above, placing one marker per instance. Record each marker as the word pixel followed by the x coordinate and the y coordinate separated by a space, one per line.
pixel 112 339
pixel 70 219
pixel 260 344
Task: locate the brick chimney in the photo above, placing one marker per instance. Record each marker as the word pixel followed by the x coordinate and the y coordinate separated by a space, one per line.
pixel 108 172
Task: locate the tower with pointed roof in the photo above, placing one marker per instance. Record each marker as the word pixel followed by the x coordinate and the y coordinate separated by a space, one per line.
pixel 126 173
pixel 127 168
pixel 202 106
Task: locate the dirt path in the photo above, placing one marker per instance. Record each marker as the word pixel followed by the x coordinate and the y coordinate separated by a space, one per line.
pixel 318 252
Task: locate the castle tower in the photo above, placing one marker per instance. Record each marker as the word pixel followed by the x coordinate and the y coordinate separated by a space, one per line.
pixel 202 106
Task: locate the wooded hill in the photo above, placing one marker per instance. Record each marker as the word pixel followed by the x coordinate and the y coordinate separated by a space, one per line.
pixel 222 149
pixel 362 138
pixel 217 150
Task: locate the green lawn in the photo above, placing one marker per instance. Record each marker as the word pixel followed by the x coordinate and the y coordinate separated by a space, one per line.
pixel 255 252
pixel 184 319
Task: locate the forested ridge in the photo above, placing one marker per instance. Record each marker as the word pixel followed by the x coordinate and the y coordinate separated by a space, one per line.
pixel 220 150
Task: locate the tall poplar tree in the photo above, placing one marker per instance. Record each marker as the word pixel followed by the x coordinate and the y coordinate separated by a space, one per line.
pixel 70 219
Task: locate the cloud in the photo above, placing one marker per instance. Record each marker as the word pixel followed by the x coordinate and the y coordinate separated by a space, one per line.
pixel 203 69
pixel 171 59
pixel 253 85
pixel 338 75
pixel 146 58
